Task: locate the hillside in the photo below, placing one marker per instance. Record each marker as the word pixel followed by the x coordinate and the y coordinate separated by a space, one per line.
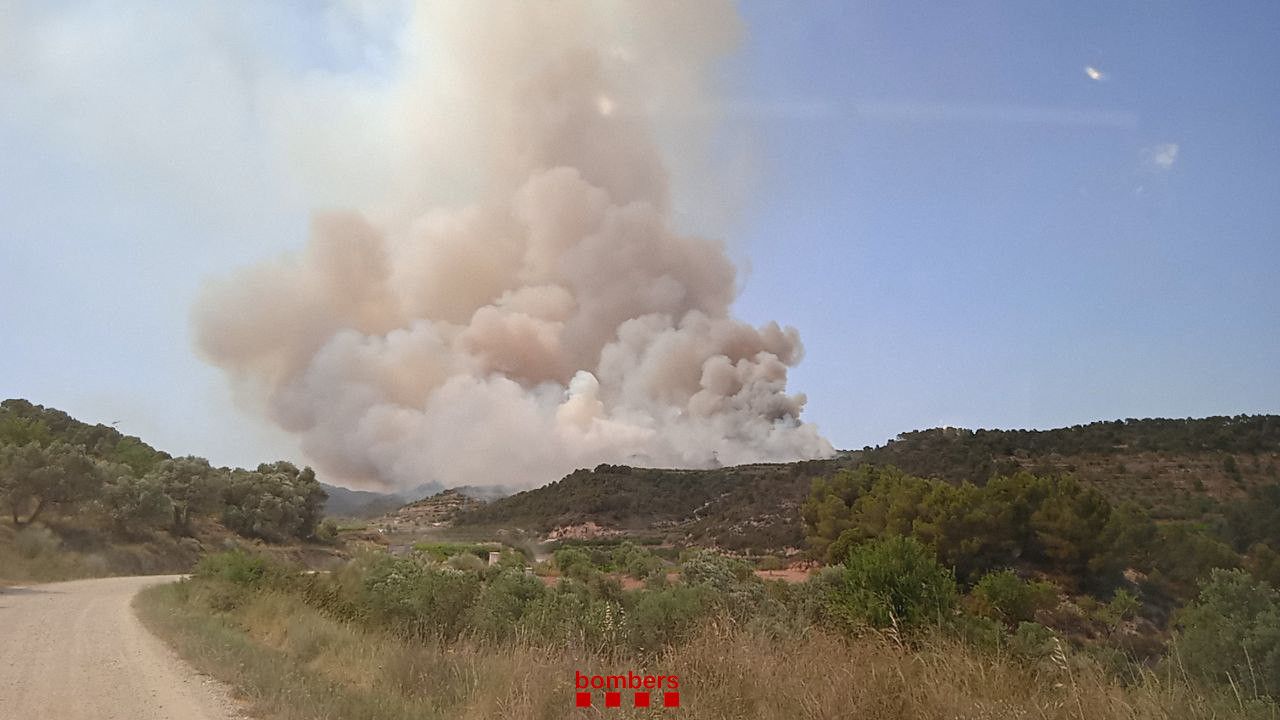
pixel 367 504
pixel 1174 469
pixel 85 500
pixel 744 507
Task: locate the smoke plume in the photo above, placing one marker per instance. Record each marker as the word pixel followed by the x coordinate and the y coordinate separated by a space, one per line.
pixel 523 306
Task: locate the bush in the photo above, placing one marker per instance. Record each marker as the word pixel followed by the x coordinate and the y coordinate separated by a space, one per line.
pixel 1124 605
pixel 327 532
pixel 467 563
pixel 442 551
pixel 565 616
pixel 1006 597
pixel 502 602
pixel 417 600
pixel 771 562
pixel 660 618
pixel 573 562
pixel 1231 632
pixel 978 631
pixel 704 567
pixel 238 567
pixel 36 541
pixel 896 581
pixel 1032 641
pixel 636 561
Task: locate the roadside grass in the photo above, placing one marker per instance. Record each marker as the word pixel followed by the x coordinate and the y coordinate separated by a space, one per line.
pixel 289 662
pixel 62 550
pixel 38 554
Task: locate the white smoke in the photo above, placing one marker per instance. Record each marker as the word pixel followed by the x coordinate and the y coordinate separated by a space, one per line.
pixel 534 311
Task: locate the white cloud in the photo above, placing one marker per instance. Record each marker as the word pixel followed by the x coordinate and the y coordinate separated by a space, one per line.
pixel 1094 73
pixel 1162 157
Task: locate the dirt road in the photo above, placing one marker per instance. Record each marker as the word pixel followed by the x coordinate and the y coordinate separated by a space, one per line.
pixel 75 651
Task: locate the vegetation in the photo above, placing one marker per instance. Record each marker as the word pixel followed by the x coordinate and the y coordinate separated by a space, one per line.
pixel 893 582
pixel 748 508
pixel 111 503
pixel 1043 574
pixel 1049 523
pixel 1204 472
pixel 1231 633
pixel 957 455
pixel 495 642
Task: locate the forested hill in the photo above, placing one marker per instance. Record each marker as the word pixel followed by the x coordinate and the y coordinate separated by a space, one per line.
pixel 738 507
pixel 1174 469
pixel 80 499
pixel 23 422
pixel 956 454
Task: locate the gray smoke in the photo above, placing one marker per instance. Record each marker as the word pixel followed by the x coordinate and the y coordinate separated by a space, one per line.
pixel 546 316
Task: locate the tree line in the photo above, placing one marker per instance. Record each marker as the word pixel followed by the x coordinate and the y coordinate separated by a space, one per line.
pixel 958 454
pixel 1051 525
pixel 51 462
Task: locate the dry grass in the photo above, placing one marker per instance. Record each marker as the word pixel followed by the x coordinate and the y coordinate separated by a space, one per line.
pixel 290 662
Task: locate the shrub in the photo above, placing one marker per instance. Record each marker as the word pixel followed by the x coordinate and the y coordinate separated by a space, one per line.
pixel 771 562
pixel 1006 597
pixel 502 602
pixel 660 618
pixel 894 581
pixel 1231 632
pixel 636 561
pixel 36 541
pixel 978 631
pixel 442 551
pixel 709 568
pixel 1032 641
pixel 1124 605
pixel 573 562
pixel 467 563
pixel 417 600
pixel 327 532
pixel 238 567
pixel 566 615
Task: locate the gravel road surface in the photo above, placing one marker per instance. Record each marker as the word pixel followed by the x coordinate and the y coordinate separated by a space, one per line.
pixel 76 651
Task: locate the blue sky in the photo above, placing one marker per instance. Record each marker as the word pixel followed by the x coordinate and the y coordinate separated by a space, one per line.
pixel 966 227
pixel 996 260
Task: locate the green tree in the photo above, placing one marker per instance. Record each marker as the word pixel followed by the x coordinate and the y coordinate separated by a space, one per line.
pixel 1185 553
pixel 574 562
pixel 192 487
pixel 275 502
pixel 34 478
pixel 17 430
pixel 136 505
pixel 1069 527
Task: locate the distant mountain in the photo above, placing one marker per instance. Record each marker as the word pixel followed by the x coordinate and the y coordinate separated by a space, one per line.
pixel 344 502
pixel 430 512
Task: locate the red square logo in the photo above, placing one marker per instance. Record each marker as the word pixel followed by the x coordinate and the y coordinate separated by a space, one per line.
pixel 613 699
pixel 582 700
pixel 671 699
pixel 642 699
